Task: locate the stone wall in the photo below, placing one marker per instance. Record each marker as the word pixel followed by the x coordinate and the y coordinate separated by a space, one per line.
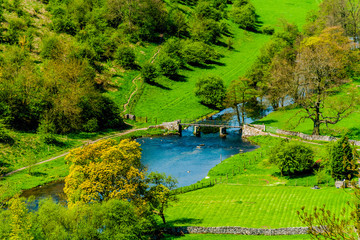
pixel 249 131
pixel 313 137
pixel 238 230
pixel 260 127
pixel 171 126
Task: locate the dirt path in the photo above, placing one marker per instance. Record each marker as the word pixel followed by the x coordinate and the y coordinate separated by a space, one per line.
pixel 66 153
pixel 152 59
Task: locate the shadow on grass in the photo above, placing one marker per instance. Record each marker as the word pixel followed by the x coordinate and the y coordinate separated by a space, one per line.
pixel 38 174
pixel 178 78
pixel 156 84
pixel 183 221
pixel 265 121
pixel 294 176
pixel 216 63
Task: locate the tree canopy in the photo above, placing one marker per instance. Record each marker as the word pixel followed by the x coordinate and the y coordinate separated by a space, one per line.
pixel 105 170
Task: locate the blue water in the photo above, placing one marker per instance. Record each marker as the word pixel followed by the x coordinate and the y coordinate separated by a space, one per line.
pixel 185 159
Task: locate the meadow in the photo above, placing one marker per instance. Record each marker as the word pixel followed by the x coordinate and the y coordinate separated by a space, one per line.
pixel 252 206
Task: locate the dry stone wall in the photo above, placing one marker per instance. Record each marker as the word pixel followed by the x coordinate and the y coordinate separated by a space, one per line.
pixel 238 230
pixel 171 126
pixel 249 131
pixel 313 137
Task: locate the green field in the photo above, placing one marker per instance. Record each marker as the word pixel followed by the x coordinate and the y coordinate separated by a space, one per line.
pixel 251 206
pixel 294 11
pixel 236 237
pixel 176 99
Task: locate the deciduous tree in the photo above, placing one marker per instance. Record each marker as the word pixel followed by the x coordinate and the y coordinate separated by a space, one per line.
pixel 160 194
pixel 105 170
pixel 321 68
pixel 238 94
pixel 211 91
pixel 292 158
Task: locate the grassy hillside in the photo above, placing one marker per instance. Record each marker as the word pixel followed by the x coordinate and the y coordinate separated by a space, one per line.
pixel 176 99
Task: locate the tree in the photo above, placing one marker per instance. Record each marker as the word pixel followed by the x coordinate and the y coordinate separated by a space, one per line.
pixel 321 68
pixel 105 170
pixel 342 159
pixel 239 93
pixel 20 220
pixel 125 56
pixel 292 158
pixel 149 72
pixel 197 53
pixel 244 15
pixel 211 91
pixel 160 192
pixel 168 66
pixel 281 82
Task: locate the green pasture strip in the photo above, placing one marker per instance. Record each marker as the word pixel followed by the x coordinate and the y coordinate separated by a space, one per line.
pixel 236 237
pixel 251 206
pixel 39 175
pixel 294 11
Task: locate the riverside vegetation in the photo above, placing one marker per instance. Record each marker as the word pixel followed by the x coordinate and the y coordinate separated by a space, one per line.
pixel 68 68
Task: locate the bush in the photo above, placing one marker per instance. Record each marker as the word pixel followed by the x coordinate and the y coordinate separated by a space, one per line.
pixel 5 136
pixel 267 29
pixel 148 72
pixel 245 16
pixel 198 52
pixel 292 158
pixel 46 131
pixel 342 160
pixel 125 56
pixel 51 47
pixel 168 66
pixel 211 91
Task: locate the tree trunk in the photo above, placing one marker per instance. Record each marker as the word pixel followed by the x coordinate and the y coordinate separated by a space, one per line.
pixel 162 217
pixel 243 113
pixel 238 114
pixel 316 120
